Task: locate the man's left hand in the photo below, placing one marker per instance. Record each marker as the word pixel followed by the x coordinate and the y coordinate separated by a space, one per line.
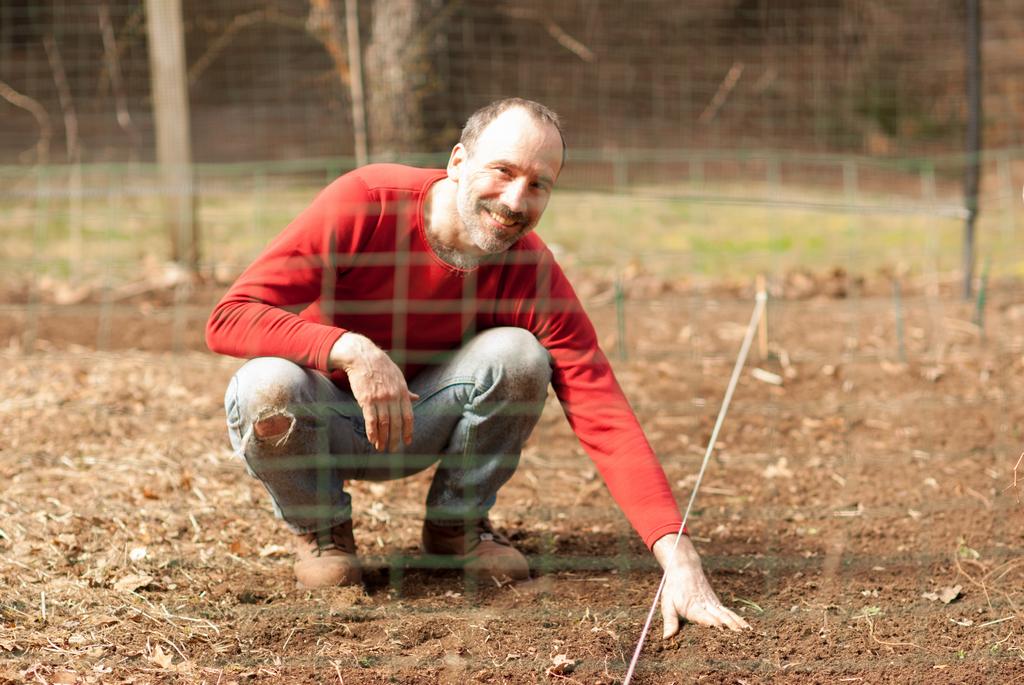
pixel 687 593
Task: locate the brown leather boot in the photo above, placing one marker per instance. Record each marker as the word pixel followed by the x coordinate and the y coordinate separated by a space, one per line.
pixel 327 558
pixel 474 544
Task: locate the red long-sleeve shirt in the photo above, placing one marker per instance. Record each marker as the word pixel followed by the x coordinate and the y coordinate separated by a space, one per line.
pixel 358 259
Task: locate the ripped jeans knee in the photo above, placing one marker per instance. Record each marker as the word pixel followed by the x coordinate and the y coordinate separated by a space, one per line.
pixel 278 415
pixel 274 426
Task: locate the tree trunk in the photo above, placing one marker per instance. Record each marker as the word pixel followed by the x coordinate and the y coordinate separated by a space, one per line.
pixel 398 66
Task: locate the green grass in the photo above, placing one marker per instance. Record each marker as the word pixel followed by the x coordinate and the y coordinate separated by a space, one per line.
pixel 669 236
pixel 724 229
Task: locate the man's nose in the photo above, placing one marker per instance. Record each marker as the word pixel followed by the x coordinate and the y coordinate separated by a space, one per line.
pixel 514 195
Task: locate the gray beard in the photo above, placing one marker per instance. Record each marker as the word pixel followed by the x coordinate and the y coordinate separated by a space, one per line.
pixel 491 245
pixel 451 256
pixel 488 243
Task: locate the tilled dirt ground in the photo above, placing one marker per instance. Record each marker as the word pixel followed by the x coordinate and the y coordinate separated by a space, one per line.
pixel 862 515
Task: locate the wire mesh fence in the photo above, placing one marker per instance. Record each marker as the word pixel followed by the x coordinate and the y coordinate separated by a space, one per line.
pixel 270 80
pixel 693 101
pixel 866 464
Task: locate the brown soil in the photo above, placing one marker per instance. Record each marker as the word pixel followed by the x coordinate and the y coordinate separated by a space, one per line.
pixel 135 549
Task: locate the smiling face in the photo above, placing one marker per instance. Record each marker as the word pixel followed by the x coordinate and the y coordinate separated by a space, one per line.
pixel 505 181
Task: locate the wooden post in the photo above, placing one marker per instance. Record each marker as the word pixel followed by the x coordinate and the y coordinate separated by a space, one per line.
pixel 355 76
pixel 171 114
pixel 972 175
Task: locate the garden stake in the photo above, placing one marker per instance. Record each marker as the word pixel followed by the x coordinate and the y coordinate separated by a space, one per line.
pixel 762 326
pixel 979 307
pixel 620 316
pixel 897 305
pixel 755 317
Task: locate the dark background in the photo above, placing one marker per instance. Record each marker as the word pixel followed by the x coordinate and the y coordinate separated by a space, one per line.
pixel 825 76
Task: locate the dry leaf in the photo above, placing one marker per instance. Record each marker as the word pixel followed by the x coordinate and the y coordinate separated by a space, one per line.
pixel 160 658
pixel 64 678
pixel 133 582
pixel 778 470
pixel 766 376
pixel 948 594
pixel 274 551
pixel 893 369
pixel 68 540
pixel 102 620
pixel 561 664
pixel 378 511
pixel 66 294
pixel 945 595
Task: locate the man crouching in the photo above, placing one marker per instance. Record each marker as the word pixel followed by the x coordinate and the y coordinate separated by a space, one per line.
pixel 410 317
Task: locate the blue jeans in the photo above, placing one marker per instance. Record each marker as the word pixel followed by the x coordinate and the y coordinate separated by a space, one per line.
pixel 474 413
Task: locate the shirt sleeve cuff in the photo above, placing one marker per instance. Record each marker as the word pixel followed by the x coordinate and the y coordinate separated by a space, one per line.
pixel 662 531
pixel 323 353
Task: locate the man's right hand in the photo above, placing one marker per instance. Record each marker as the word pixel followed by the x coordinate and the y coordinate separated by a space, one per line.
pixel 379 388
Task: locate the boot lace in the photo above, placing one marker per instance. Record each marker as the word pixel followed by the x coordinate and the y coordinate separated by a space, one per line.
pixel 326 540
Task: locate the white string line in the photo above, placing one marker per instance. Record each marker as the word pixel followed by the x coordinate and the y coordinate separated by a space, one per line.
pixel 755 317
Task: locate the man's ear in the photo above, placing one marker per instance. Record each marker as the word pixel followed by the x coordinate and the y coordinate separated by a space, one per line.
pixel 456 161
